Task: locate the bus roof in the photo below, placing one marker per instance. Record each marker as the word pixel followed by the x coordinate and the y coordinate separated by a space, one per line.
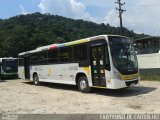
pixel 6 58
pixel 53 46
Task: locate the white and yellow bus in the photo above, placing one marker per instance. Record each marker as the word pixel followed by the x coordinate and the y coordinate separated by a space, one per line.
pixel 104 61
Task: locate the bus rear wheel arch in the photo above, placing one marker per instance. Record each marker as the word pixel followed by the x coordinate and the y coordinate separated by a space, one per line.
pixel 36 79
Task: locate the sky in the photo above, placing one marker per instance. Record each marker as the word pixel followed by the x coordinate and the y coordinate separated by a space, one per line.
pixel 141 16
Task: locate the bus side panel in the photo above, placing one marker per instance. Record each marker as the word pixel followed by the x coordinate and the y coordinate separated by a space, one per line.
pixel 21 73
pixel 67 72
pixel 45 72
pixel 60 73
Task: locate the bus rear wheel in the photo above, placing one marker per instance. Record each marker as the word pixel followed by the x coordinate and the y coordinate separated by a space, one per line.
pixel 83 85
pixel 36 80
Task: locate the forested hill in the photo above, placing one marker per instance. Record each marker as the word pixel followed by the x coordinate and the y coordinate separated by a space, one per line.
pixel 26 32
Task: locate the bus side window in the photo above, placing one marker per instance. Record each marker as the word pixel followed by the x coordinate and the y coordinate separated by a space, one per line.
pixel 52 56
pixel 65 54
pixel 80 53
pixel 33 59
pixel 42 58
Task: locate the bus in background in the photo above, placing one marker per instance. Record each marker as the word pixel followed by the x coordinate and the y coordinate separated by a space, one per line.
pixel 104 61
pixel 148 54
pixel 8 68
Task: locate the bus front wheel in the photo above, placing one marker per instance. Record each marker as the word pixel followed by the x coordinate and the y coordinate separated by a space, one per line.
pixel 83 85
pixel 36 80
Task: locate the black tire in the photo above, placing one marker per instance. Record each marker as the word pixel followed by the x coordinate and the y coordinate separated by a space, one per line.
pixel 36 80
pixel 83 85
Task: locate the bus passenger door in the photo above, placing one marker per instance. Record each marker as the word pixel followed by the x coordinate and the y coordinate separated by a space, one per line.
pixel 27 67
pixel 98 65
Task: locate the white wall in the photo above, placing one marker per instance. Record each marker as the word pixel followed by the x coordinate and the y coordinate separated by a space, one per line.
pixel 149 60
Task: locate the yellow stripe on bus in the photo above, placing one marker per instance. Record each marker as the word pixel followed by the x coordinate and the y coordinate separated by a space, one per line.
pixel 23 72
pixel 49 71
pixel 129 77
pixel 76 42
pixel 87 69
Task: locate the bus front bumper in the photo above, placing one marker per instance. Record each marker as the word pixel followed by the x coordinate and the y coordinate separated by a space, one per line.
pixel 8 76
pixel 118 83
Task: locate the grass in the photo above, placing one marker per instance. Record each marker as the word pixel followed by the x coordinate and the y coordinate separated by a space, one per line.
pixel 135 106
pixel 150 77
pixel 150 74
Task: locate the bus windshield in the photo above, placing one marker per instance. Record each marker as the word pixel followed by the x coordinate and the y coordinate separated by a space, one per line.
pixel 123 55
pixel 10 65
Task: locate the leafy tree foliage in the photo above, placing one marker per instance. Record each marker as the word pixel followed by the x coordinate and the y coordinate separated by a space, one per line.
pixel 26 32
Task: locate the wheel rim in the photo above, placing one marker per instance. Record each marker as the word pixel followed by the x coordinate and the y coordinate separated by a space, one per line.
pixel 83 84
